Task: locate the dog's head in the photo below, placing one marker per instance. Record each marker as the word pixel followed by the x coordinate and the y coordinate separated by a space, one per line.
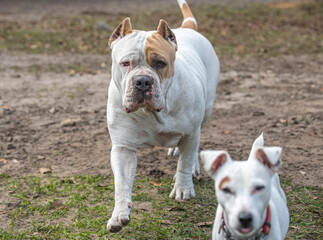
pixel 243 188
pixel 142 64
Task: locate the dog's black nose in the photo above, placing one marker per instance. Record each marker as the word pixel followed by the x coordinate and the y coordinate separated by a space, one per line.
pixel 142 83
pixel 245 218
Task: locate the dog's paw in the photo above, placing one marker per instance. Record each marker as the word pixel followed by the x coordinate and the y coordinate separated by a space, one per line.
pixel 183 188
pixel 120 218
pixel 173 151
pixel 182 194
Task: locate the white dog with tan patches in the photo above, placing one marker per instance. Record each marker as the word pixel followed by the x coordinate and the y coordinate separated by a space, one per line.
pixel 161 93
pixel 251 203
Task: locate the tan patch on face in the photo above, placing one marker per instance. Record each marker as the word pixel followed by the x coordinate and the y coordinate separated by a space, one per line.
pixel 223 181
pixel 157 50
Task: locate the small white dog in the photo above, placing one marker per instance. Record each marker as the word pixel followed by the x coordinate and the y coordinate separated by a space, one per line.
pixel 251 203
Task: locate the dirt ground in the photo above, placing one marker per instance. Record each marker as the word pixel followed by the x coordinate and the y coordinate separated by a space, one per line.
pixel 58 119
pixel 33 10
pixel 280 96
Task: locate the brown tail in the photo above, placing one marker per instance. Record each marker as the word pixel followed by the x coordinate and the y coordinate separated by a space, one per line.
pixel 189 20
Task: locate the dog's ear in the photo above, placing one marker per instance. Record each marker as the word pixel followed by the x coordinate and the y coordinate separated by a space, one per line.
pixel 259 142
pixel 270 157
pixel 214 160
pixel 122 30
pixel 164 30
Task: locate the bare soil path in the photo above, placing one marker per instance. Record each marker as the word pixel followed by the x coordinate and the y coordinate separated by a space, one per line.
pixel 32 10
pixel 55 119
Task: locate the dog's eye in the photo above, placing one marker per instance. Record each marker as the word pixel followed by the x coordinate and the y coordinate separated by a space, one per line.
pixel 160 64
pixel 227 190
pixel 125 64
pixel 259 188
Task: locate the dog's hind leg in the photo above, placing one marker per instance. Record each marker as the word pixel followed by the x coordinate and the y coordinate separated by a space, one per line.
pixel 173 151
pixel 188 148
pixel 196 168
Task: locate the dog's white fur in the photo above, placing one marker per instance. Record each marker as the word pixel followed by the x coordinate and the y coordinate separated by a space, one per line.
pixel 239 192
pixel 187 100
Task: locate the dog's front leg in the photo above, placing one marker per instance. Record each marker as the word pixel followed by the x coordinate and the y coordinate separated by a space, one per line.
pixel 188 148
pixel 124 163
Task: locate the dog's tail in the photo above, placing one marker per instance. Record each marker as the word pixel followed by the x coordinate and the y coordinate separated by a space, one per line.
pixel 189 20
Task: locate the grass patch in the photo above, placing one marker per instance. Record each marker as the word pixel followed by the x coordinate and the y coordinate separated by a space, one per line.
pixel 78 208
pixel 252 30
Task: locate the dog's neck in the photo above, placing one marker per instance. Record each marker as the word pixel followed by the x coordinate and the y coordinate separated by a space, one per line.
pixel 261 234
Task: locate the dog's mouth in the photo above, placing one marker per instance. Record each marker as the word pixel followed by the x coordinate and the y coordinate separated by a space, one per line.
pixel 136 108
pixel 142 97
pixel 129 111
pixel 150 99
pixel 143 100
pixel 245 230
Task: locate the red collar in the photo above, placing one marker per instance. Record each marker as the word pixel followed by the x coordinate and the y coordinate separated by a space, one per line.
pixel 265 228
pixel 267 225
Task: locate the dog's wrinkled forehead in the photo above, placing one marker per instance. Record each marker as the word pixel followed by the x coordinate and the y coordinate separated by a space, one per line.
pixel 149 48
pixel 132 45
pixel 155 49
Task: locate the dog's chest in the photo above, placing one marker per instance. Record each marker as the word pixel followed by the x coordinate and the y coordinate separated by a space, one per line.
pixel 167 139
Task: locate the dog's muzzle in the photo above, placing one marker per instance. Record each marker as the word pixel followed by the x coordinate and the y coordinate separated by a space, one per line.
pixel 143 92
pixel 245 219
